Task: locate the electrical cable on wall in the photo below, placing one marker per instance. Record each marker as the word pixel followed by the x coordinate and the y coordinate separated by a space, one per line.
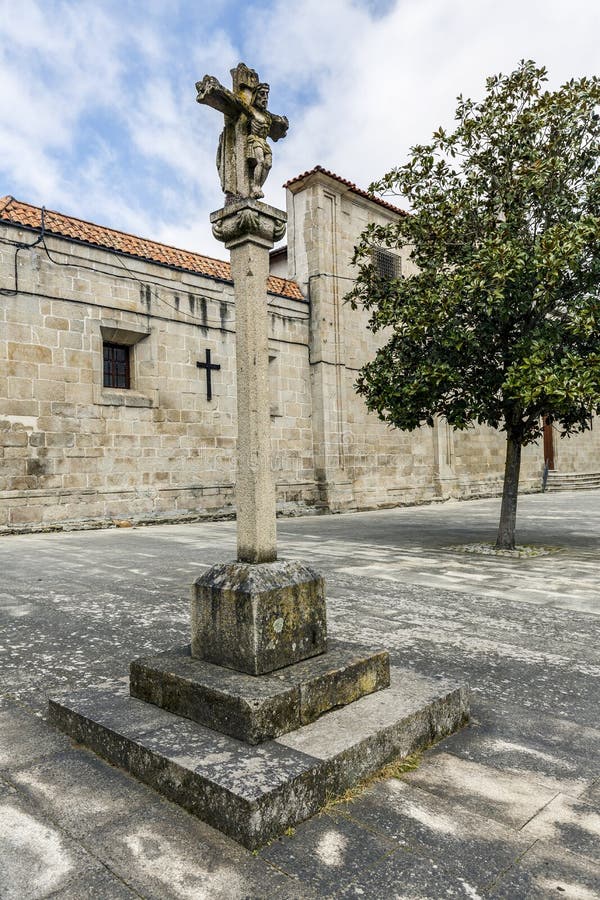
pixel 152 288
pixel 6 292
pixel 196 320
pixel 129 276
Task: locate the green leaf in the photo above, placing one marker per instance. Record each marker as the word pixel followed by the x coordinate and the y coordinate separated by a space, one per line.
pixel 505 232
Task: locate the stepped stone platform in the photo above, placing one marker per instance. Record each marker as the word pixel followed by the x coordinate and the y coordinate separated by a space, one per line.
pixel 262 719
pixel 255 709
pixel 254 793
pixel 250 744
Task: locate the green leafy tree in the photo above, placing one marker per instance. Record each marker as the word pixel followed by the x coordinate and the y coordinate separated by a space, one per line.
pixel 500 322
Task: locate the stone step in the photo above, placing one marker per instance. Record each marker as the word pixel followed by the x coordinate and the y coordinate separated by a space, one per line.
pixel 255 708
pixel 251 793
pixel 572 481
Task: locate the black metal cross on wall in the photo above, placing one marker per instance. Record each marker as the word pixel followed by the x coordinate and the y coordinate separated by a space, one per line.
pixel 210 367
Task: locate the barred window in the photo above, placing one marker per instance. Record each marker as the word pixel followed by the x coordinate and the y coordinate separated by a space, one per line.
pixel 116 366
pixel 387 264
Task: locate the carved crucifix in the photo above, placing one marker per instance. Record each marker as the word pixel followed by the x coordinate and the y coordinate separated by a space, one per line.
pixel 244 157
pixel 210 367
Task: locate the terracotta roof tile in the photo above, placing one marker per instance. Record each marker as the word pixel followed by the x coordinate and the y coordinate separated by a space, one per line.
pixel 18 213
pixel 349 184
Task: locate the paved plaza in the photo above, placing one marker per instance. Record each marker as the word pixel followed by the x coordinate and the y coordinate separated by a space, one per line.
pixel 507 808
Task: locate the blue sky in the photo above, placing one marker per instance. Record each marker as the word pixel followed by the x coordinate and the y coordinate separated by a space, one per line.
pixel 98 117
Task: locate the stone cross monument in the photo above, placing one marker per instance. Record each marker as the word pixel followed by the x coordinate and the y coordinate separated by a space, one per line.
pixel 259 665
pixel 258 614
pixel 249 229
pixel 244 155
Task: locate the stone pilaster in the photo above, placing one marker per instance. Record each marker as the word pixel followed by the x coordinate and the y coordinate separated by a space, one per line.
pixel 443 459
pixel 315 254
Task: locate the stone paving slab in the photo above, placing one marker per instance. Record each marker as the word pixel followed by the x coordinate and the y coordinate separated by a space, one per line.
pixel 163 852
pixel 24 737
pixel 78 791
pixel 475 848
pixel 98 885
pixel 38 859
pixel 405 876
pixel 514 740
pixel 512 799
pixel 328 851
pixel 548 870
pixel 572 823
pixel 525 636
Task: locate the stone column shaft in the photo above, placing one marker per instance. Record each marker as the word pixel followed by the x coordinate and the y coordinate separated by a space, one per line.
pixel 255 491
pixel 249 229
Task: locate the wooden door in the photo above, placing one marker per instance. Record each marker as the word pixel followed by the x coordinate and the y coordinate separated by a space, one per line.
pixel 548 443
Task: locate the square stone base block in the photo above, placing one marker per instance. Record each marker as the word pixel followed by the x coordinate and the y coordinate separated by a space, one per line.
pixel 255 708
pixel 255 793
pixel 260 617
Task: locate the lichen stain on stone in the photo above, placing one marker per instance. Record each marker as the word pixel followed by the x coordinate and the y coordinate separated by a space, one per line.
pixel 435 822
pixel 15 610
pixel 499 745
pixel 331 849
pixel 367 682
pixel 223 313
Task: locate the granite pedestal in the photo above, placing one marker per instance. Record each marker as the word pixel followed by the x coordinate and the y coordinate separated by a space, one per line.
pixel 253 793
pixel 258 618
pixel 256 709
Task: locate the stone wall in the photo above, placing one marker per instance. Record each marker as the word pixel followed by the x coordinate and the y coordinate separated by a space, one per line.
pixel 580 453
pixel 360 462
pixel 478 463
pixel 76 452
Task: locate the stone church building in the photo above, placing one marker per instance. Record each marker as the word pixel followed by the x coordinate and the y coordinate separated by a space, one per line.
pixel 117 378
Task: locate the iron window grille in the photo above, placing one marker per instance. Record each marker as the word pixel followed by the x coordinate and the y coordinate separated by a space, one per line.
pixel 387 264
pixel 116 366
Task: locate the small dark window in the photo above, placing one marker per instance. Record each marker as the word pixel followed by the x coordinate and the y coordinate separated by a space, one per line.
pixel 386 263
pixel 116 366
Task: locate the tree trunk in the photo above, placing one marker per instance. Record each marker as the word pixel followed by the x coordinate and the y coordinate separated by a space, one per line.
pixel 508 512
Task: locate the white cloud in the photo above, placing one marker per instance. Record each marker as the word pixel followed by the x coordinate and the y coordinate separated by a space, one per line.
pixel 51 74
pixel 386 83
pixel 360 80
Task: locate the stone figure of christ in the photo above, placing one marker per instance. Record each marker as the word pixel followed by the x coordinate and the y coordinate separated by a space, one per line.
pixel 244 156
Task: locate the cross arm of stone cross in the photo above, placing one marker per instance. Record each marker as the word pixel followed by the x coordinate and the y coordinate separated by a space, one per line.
pixel 212 93
pixel 279 127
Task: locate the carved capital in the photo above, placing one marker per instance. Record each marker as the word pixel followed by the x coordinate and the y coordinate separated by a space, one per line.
pixel 248 220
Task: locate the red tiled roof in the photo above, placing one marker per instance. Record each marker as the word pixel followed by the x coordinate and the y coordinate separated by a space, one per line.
pixel 349 184
pixel 17 213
